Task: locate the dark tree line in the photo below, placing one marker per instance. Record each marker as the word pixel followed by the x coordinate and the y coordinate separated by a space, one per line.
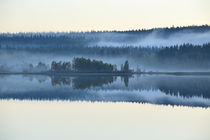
pixel 125 67
pixel 61 66
pixel 182 56
pixel 53 40
pixel 86 65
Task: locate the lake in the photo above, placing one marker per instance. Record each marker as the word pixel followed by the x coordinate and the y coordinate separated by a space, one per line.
pixel 104 107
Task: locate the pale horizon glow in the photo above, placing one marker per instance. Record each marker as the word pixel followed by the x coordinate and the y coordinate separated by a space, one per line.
pixel 87 15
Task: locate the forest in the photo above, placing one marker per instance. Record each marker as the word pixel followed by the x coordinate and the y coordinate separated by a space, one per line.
pixel 87 65
pixel 159 49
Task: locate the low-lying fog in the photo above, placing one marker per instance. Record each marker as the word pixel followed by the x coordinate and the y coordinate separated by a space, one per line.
pixel 154 39
pixel 21 56
pixel 21 60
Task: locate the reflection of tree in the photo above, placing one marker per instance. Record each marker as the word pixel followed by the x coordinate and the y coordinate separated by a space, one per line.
pixel 125 79
pixel 60 80
pixel 182 86
pixel 83 82
pixel 39 78
pixel 186 87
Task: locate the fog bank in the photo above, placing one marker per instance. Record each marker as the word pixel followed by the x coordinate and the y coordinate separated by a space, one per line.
pixel 154 39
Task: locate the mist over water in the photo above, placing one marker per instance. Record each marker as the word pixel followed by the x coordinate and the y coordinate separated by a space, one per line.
pixel 146 50
pixel 34 89
pixel 154 39
pixel 18 61
pixel 125 83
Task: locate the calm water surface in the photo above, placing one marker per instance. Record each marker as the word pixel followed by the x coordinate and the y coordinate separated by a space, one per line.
pixel 104 107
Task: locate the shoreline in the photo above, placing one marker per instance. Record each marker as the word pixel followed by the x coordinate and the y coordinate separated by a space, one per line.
pixel 68 74
pixel 174 73
pixel 104 73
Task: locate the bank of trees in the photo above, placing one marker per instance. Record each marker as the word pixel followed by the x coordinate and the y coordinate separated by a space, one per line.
pixel 179 57
pixel 87 65
pixel 125 67
pixel 40 67
pixel 74 41
pixel 61 66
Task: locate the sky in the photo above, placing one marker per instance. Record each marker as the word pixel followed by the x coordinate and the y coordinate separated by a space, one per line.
pixel 87 15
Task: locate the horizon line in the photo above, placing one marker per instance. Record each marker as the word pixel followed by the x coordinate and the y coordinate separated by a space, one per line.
pixel 91 31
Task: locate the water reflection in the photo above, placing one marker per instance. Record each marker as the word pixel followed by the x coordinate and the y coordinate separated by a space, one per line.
pixel 155 89
pixel 82 82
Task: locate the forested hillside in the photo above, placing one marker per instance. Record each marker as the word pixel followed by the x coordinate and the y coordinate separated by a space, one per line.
pixel 175 48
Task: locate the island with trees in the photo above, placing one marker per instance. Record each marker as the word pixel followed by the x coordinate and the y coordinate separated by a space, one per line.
pixel 86 65
pixel 78 66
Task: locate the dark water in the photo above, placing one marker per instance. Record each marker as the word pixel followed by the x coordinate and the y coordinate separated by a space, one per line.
pixel 155 89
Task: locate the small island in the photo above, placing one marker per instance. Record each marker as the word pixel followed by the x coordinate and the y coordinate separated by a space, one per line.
pixel 87 66
pixel 78 66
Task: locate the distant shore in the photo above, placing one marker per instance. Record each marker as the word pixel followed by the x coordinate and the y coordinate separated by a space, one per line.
pixel 174 73
pixel 69 73
pixel 104 73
